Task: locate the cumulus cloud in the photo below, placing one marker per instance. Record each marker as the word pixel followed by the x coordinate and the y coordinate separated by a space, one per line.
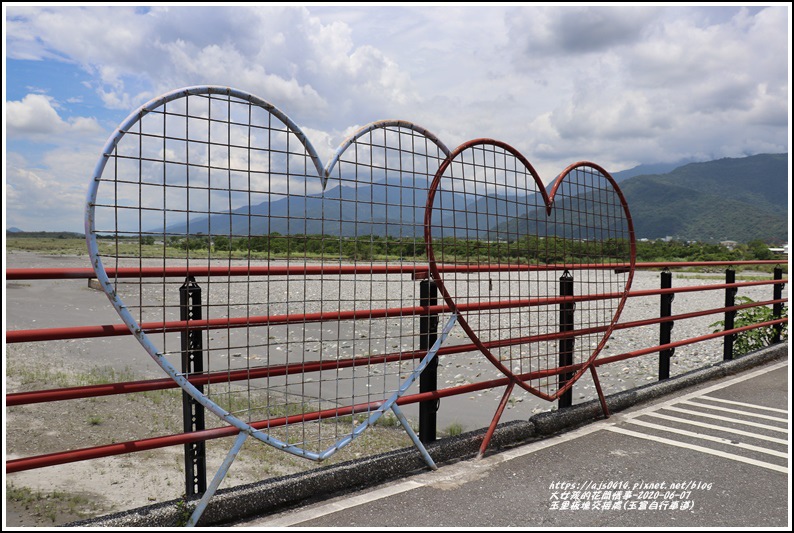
pixel 52 180
pixel 55 187
pixel 35 116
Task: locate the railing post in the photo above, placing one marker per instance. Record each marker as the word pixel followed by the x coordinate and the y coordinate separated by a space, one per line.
pixel 666 328
pixel 428 379
pixel 192 411
pixel 730 301
pixel 566 345
pixel 777 309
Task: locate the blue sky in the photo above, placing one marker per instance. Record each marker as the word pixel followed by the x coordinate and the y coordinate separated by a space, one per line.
pixel 618 86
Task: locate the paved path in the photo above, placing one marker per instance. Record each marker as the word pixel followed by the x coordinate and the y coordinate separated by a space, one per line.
pixel 716 455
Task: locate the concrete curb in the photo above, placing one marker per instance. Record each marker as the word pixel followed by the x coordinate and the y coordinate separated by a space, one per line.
pixel 268 496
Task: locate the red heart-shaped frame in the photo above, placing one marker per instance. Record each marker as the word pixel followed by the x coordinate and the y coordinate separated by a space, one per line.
pixel 538 280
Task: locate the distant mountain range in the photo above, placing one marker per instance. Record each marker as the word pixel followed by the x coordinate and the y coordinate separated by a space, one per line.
pixel 382 208
pixel 740 199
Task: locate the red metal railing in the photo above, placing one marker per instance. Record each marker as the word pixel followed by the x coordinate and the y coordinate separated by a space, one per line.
pixel 110 330
pixel 50 395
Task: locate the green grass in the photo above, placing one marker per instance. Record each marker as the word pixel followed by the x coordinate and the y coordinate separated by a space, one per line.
pixel 184 511
pixel 35 377
pixel 48 506
pixel 94 376
pixel 46 245
pixel 388 420
pixel 454 429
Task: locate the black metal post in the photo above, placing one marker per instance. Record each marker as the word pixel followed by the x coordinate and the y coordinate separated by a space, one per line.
pixel 566 345
pixel 428 379
pixel 730 301
pixel 666 328
pixel 777 309
pixel 192 411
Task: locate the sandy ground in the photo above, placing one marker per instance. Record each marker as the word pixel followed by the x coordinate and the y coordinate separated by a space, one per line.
pixel 60 494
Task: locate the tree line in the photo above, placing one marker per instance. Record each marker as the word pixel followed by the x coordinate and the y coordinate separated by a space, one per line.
pixel 528 249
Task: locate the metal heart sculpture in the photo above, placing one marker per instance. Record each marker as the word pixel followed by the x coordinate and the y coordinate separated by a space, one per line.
pixel 538 279
pixel 213 227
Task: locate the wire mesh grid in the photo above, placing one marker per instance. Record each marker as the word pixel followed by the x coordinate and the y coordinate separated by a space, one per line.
pixel 374 205
pixel 538 278
pixel 292 324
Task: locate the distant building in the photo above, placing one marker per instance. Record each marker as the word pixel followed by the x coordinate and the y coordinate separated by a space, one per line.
pixel 730 245
pixel 782 251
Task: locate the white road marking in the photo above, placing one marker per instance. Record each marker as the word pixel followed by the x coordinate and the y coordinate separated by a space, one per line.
pixel 712 398
pixel 727 419
pixel 687 400
pixel 726 429
pixel 702 449
pixel 701 392
pixel 736 411
pixel 711 438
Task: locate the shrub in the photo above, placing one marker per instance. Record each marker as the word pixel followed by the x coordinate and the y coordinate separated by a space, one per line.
pixel 753 339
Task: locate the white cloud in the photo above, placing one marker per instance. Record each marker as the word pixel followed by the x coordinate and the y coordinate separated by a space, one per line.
pixel 35 116
pixel 46 189
pixel 324 143
pixel 50 195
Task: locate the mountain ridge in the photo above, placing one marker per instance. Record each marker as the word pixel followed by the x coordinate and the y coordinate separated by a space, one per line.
pixel 739 199
pixel 736 199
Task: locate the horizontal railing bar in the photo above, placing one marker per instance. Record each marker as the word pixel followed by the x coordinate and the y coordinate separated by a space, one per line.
pixel 691 340
pixel 79 332
pixel 709 287
pixel 110 330
pixel 15 274
pixel 695 314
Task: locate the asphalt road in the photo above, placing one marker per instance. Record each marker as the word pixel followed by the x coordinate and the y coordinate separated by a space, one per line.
pixel 715 455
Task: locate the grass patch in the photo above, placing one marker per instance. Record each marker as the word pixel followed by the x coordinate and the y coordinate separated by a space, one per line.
pixel 184 511
pixel 388 420
pixel 38 377
pixel 47 245
pixel 49 506
pixel 754 339
pixel 454 429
